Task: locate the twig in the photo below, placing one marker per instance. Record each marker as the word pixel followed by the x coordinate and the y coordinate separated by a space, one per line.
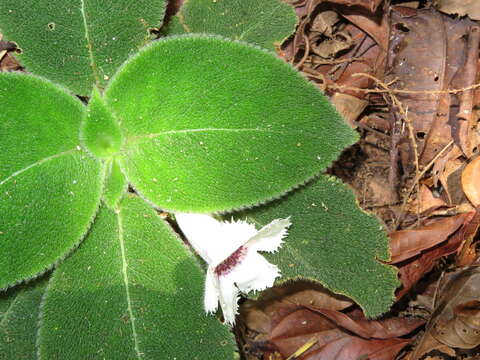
pixel 315 61
pixel 420 175
pixel 415 154
pixel 307 51
pixel 400 91
pixel 368 128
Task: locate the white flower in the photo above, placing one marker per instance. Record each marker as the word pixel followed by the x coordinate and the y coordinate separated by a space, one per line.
pixel 231 251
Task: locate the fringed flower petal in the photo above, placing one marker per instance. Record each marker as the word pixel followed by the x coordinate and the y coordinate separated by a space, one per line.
pixel 231 250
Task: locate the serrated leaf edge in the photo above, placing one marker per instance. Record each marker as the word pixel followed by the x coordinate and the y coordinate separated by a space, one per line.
pixel 72 248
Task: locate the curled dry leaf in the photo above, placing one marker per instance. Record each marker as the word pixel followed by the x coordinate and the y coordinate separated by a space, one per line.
pixel 324 22
pixel 405 244
pixel 350 107
pixel 430 345
pixel 450 180
pixel 471 181
pixel 455 321
pixel 334 41
pixel 411 271
pixel 426 202
pixel 341 336
pixel 263 314
pixel 368 329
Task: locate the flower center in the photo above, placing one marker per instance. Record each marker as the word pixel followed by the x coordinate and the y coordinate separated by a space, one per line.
pixel 230 262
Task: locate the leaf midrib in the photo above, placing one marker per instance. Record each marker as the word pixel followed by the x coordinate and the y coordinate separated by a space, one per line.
pixel 93 65
pixel 126 283
pixel 187 131
pixel 36 163
pixel 9 310
pixel 259 23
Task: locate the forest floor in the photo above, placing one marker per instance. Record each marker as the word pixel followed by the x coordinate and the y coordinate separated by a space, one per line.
pixel 405 75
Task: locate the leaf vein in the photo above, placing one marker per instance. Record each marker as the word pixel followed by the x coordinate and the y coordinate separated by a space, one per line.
pixel 6 313
pixel 126 283
pixel 37 163
pixel 187 131
pixel 258 23
pixel 89 42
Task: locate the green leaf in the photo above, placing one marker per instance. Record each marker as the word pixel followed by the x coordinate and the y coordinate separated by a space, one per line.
pixel 78 43
pixel 263 22
pixel 100 132
pixel 115 184
pixel 131 291
pixel 19 311
pixel 222 124
pixel 334 242
pixel 49 187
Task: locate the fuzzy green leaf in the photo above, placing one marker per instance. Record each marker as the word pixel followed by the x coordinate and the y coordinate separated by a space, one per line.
pixel 222 124
pixel 263 22
pixel 78 43
pixel 49 187
pixel 100 131
pixel 19 311
pixel 115 184
pixel 334 242
pixel 131 291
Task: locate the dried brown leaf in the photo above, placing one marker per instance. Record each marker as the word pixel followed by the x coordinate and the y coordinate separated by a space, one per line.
pixel 455 321
pixel 274 304
pixel 300 327
pixel 405 244
pixel 370 5
pixel 450 180
pixel 471 181
pixel 460 7
pixel 332 332
pixel 426 202
pixel 411 271
pixel 358 348
pixel 378 329
pixel 350 107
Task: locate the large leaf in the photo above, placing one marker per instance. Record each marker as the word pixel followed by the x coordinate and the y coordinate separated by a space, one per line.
pixel 263 22
pixel 334 242
pixel 131 291
pixel 78 43
pixel 19 310
pixel 222 124
pixel 49 186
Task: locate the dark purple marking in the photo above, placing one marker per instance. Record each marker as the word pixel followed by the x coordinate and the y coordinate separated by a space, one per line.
pixel 229 263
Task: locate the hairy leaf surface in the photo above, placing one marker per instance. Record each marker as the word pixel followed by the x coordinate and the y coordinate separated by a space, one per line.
pixel 334 242
pixel 266 23
pixel 49 187
pixel 131 291
pixel 78 43
pixel 115 184
pixel 19 310
pixel 100 131
pixel 222 124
